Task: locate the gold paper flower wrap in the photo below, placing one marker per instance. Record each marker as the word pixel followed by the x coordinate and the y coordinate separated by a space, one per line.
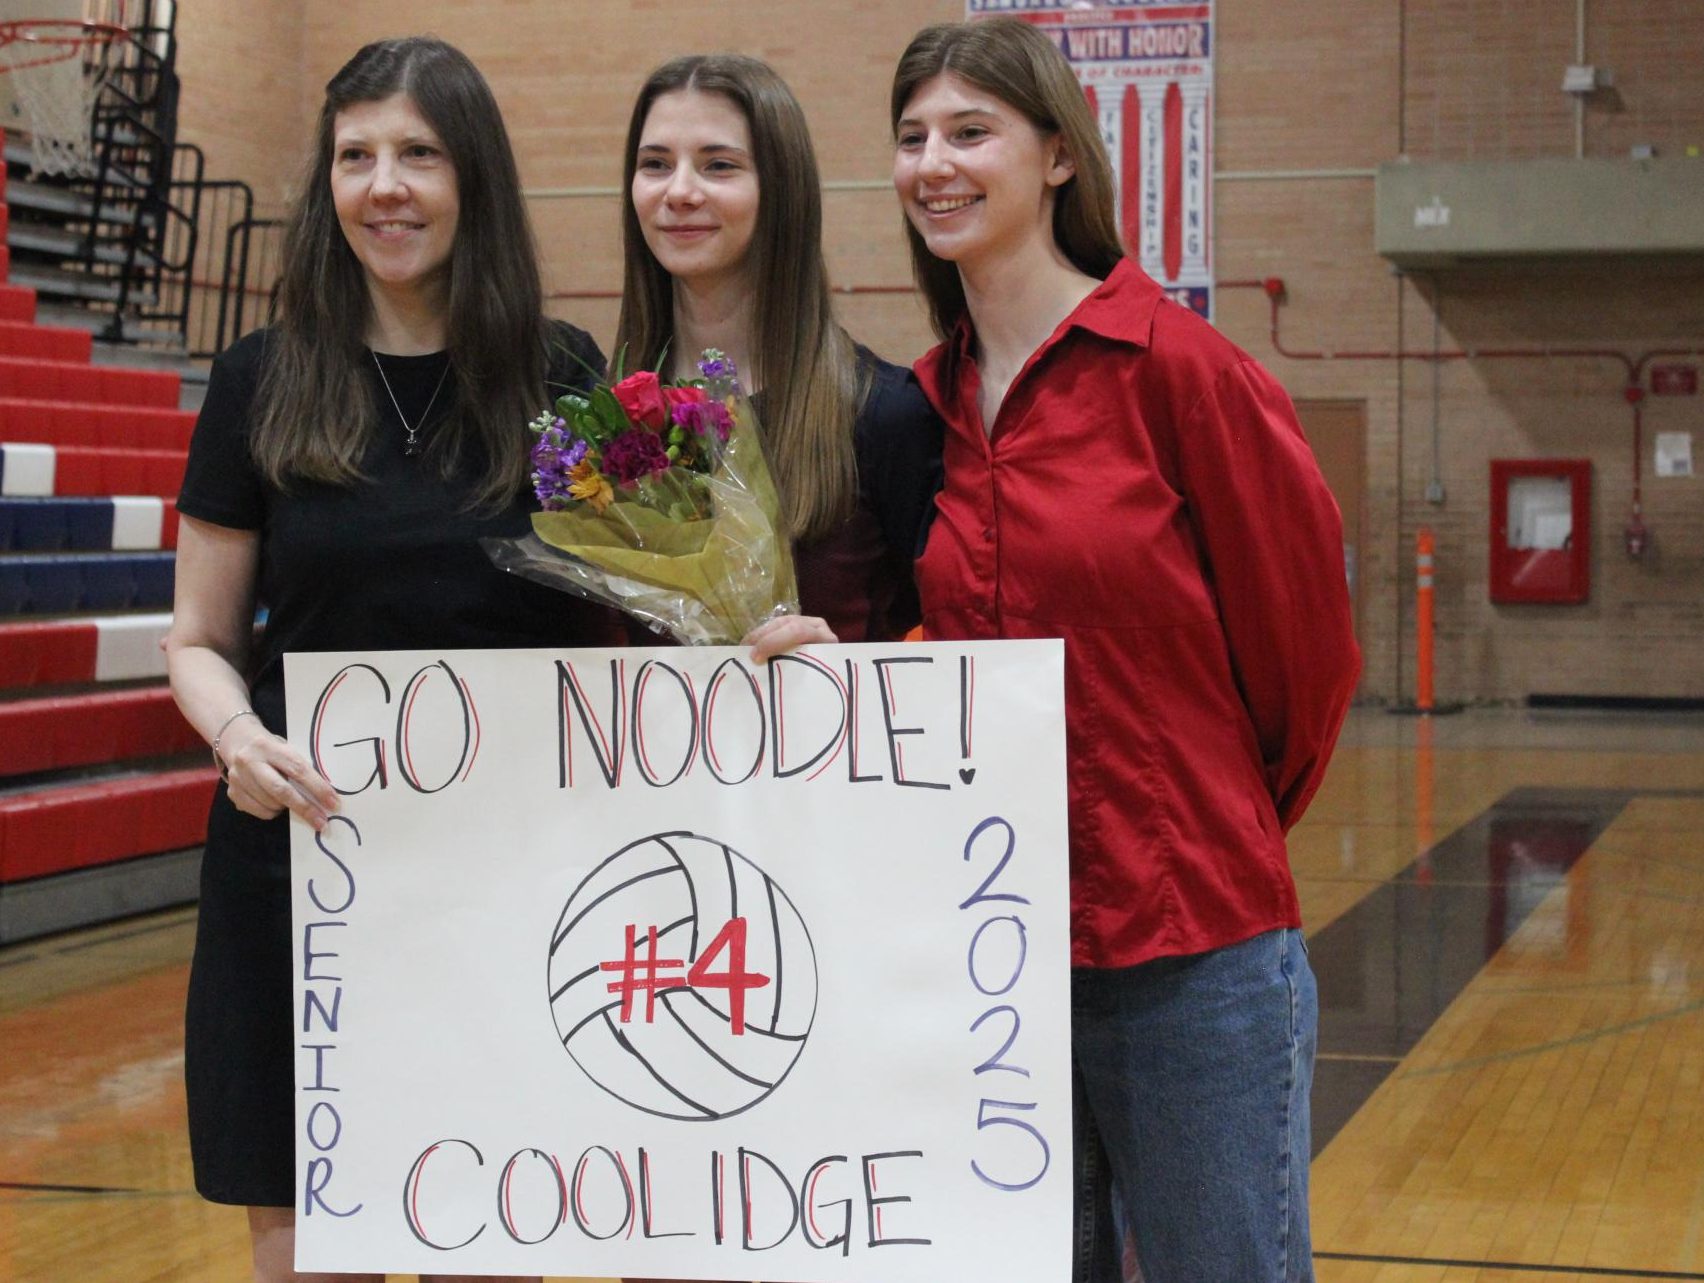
pixel 658 501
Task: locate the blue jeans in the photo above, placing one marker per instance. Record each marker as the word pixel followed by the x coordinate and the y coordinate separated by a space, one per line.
pixel 1190 1081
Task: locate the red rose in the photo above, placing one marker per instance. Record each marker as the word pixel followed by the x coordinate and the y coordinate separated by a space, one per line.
pixel 641 396
pixel 688 395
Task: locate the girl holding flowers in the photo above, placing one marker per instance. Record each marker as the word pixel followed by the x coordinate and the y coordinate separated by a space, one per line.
pixel 722 239
pixel 345 466
pixel 1119 475
pixel 722 242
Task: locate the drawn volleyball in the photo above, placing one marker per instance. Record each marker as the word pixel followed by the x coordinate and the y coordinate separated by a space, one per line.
pixel 685 1050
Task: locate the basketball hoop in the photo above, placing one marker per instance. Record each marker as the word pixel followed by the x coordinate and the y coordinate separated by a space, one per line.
pixel 58 68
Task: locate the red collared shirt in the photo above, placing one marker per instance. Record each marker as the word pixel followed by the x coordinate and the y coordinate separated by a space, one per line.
pixel 1146 494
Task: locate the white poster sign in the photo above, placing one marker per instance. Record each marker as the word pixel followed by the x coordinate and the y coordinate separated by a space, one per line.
pixel 658 962
pixel 1674 454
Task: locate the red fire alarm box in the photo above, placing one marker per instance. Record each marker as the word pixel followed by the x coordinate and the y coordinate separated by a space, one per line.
pixel 1541 530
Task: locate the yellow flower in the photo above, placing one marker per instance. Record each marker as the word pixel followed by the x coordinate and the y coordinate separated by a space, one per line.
pixel 585 482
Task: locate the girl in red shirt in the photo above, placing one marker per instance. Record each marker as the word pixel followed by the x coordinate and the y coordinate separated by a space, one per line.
pixel 1119 475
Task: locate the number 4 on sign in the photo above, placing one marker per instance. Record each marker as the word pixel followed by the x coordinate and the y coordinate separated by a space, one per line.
pixel 736 979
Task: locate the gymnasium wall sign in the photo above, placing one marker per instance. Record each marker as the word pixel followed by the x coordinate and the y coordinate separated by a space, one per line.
pixel 1147 69
pixel 646 962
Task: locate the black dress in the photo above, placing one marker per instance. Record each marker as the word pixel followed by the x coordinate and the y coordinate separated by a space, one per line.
pixel 391 563
pixel 857 577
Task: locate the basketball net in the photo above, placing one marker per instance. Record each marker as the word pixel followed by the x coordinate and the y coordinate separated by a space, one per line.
pixel 58 70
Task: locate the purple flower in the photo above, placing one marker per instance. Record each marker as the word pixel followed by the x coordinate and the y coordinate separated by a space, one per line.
pixel 555 454
pixel 633 455
pixel 716 365
pixel 705 417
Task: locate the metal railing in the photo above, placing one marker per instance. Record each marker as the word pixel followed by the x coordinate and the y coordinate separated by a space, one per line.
pixel 115 224
pixel 248 287
pixel 169 256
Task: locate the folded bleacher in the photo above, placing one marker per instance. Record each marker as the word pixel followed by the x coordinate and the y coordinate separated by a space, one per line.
pixel 103 785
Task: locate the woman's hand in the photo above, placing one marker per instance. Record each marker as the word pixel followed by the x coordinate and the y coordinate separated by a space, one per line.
pixel 206 655
pixel 266 775
pixel 784 633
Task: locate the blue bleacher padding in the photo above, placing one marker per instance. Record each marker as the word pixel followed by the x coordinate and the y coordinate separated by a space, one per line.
pixel 155 577
pixel 54 525
pixel 108 584
pixel 8 525
pixel 40 525
pixel 51 584
pixel 88 523
pixel 37 585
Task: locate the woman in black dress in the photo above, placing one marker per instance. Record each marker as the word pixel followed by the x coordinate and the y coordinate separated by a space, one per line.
pixel 345 465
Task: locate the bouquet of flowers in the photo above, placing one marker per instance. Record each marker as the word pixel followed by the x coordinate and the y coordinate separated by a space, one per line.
pixel 657 500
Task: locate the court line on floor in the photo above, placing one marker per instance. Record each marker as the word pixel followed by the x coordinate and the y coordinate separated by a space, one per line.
pixel 1526 1267
pixel 1590 1035
pixel 15 1194
pixel 1358 1059
pixel 28 1187
pixel 11 1199
pixel 1585 986
pixel 177 921
pixel 179 918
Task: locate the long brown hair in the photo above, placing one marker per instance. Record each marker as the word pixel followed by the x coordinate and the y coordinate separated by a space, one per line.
pixel 806 363
pixel 316 411
pixel 1021 67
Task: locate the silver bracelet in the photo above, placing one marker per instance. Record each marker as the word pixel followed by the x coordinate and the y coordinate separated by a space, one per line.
pixel 218 761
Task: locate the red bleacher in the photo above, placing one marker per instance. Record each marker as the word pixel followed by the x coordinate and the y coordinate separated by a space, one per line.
pixel 44 342
pixel 112 432
pixel 74 381
pixel 103 470
pixel 64 652
pixel 80 423
pixel 77 826
pixel 17 303
pixel 50 653
pixel 85 730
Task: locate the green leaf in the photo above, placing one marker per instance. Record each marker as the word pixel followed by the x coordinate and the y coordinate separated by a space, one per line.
pixel 589 426
pixel 609 411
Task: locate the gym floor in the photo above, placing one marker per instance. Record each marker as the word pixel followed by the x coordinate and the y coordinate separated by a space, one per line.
pixel 1506 913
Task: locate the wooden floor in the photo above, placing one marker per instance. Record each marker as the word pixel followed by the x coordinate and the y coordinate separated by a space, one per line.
pixel 1511 1082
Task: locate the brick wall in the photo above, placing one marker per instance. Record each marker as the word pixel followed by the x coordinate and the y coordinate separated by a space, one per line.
pixel 243 91
pixel 1302 90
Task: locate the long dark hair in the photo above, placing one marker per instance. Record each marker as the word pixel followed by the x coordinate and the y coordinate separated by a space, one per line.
pixel 1021 67
pixel 806 363
pixel 316 411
